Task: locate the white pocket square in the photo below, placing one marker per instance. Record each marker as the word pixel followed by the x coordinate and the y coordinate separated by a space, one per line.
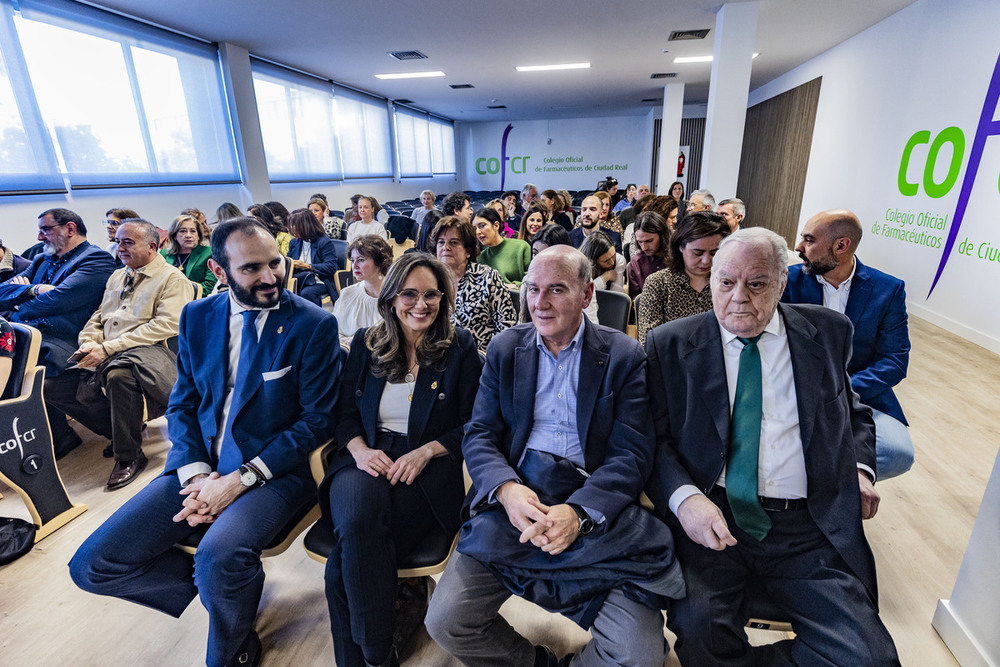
pixel 274 375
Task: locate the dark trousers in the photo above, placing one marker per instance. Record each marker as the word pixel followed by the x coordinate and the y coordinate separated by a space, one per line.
pixel 116 416
pixel 834 619
pixel 373 522
pixel 132 557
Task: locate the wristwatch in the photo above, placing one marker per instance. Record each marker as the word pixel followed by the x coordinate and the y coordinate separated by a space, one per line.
pixel 249 477
pixel 586 523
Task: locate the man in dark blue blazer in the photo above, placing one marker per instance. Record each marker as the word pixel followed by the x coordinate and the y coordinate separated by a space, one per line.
pixel 243 417
pixel 590 215
pixel 559 447
pixel 775 502
pixel 830 275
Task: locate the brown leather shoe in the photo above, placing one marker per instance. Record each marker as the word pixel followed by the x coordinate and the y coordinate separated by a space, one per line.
pixel 125 472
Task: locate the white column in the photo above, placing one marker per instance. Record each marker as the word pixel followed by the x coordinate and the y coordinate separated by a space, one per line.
pixel 735 31
pixel 246 123
pixel 670 136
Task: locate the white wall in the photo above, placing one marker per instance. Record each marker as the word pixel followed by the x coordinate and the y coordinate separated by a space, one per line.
pixel 927 67
pixel 559 153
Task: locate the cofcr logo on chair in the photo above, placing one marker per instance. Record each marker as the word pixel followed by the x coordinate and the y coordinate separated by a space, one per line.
pixel 16 443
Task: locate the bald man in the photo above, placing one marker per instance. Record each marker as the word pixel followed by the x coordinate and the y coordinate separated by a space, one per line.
pixel 831 275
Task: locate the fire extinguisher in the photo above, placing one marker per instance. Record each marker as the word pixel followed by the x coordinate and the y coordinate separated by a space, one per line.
pixel 680 165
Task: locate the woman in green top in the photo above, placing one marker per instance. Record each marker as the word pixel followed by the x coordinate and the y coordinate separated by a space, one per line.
pixel 187 253
pixel 508 256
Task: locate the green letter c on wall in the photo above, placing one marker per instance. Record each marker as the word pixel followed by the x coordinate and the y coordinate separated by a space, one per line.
pixel 906 188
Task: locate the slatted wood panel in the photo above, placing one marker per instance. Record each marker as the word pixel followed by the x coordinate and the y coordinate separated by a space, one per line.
pixel 693 135
pixel 776 143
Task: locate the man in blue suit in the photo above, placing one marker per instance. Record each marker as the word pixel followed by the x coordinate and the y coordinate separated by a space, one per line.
pixel 830 275
pixel 559 447
pixel 590 215
pixel 257 378
pixel 57 294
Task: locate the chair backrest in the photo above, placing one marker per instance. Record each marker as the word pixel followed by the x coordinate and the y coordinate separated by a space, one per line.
pixel 27 342
pixel 515 297
pixel 342 279
pixel 341 248
pixel 289 270
pixel 612 309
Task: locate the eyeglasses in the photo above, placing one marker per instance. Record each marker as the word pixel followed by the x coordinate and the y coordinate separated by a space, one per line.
pixel 47 229
pixel 409 297
pixel 113 223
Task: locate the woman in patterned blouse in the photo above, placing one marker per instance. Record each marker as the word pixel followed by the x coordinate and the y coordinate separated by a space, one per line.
pixel 682 288
pixel 482 301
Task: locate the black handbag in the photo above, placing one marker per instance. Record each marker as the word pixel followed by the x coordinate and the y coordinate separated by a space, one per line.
pixel 17 536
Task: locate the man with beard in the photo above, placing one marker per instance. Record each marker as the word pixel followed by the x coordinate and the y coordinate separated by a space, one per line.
pixel 830 275
pixel 258 373
pixel 589 219
pixel 59 291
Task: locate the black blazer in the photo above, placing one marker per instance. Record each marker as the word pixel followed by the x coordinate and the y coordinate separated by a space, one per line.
pixel 690 399
pixel 442 404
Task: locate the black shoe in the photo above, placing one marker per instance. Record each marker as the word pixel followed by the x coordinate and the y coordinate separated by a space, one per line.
pixel 67 445
pixel 249 653
pixel 125 472
pixel 391 661
pixel 411 609
pixel 109 451
pixel 544 657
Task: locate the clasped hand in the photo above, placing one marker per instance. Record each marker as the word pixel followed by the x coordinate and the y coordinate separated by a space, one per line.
pixel 206 496
pixel 551 528
pixel 377 463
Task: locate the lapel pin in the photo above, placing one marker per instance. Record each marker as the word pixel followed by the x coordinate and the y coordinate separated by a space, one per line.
pixel 280 329
pixel 434 385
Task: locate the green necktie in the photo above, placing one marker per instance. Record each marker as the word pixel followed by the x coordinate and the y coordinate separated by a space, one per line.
pixel 741 468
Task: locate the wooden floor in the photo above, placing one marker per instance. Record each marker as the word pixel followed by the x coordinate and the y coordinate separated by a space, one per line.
pixel 919 536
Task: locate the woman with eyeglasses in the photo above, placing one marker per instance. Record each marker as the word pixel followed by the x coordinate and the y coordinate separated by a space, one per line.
pixel 187 253
pixel 408 389
pixel 482 300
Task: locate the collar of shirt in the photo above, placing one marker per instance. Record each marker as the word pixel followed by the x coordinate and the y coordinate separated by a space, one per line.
pixel 572 347
pixel 775 327
pixel 836 297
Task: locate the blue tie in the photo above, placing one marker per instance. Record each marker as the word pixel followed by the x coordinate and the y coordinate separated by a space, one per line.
pixel 230 457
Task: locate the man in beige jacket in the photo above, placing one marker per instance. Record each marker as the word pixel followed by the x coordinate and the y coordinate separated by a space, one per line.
pixel 123 359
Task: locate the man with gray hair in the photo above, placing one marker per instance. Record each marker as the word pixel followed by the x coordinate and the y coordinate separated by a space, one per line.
pixel 559 447
pixel 733 210
pixel 529 193
pixel 701 200
pixel 764 469
pixel 123 357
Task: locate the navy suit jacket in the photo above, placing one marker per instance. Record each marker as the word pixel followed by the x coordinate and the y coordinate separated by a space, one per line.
pixel 576 237
pixel 690 398
pixel 441 406
pixel 324 260
pixel 613 418
pixel 281 414
pixel 876 307
pixel 60 313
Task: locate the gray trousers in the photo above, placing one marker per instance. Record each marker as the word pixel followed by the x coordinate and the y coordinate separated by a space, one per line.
pixel 464 619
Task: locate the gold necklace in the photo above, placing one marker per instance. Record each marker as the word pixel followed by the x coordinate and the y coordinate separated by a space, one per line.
pixel 410 379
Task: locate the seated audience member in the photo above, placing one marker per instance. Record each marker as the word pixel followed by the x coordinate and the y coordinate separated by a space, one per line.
pixel 607 219
pixel 514 210
pixel 610 186
pixel 7 342
pixel 427 198
pixel 557 209
pixel 627 201
pixel 554 509
pixel 357 306
pixel 590 215
pixel 408 389
pixel 732 211
pixel 506 230
pixel 188 254
pixel 482 301
pixel 607 265
pixel 642 191
pixel 351 213
pixel 652 236
pixel 676 190
pixel 426 227
pixel 529 193
pixel 278 229
pixel 123 357
pixel 314 257
pixel 226 211
pixel 378 213
pixel 400 227
pixel 701 200
pixel 457 204
pixel 567 204
pixel 10 263
pixel 112 220
pixel 279 212
pixel 682 289
pixel 58 292
pixel 366 223
pixel 241 433
pixel 332 227
pixel 763 470
pixel 535 216
pixel 206 231
pixel 831 275
pixel 508 256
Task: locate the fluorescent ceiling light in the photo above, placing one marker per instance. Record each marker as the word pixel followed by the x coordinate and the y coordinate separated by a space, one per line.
pixel 409 75
pixel 547 68
pixel 698 59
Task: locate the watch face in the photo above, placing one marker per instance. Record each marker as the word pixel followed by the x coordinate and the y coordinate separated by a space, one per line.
pixel 248 478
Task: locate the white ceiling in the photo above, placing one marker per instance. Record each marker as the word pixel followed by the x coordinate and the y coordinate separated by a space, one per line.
pixel 480 43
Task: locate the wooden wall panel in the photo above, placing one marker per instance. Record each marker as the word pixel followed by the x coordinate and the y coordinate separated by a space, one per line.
pixel 693 135
pixel 776 143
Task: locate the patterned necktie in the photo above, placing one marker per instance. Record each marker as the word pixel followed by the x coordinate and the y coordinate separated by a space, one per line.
pixel 230 456
pixel 741 468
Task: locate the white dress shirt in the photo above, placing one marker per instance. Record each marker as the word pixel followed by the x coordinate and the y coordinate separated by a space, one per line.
pixel 835 298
